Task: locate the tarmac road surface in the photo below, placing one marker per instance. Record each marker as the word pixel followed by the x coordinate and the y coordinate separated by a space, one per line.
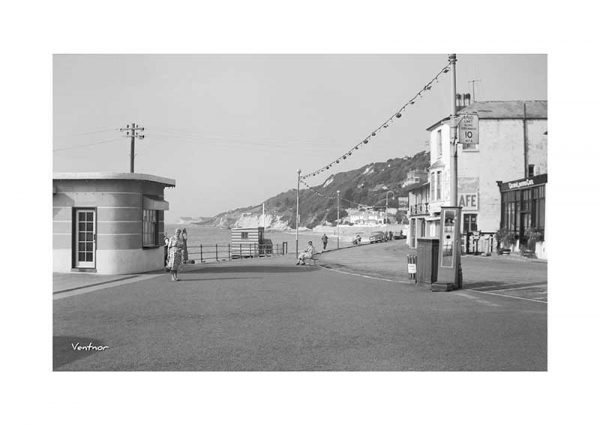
pixel 270 315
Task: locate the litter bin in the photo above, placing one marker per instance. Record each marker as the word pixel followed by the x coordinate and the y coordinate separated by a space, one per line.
pixel 427 266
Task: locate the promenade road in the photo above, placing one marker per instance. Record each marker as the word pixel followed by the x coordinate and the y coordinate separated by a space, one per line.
pixel 270 315
pixel 508 276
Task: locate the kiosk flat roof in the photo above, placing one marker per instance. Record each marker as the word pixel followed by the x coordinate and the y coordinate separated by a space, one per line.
pixel 113 176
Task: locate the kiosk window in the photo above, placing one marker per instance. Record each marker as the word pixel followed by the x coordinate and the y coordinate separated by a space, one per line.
pixel 150 228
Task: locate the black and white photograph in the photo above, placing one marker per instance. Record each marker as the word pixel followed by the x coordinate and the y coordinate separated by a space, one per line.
pixel 314 212
pixel 284 212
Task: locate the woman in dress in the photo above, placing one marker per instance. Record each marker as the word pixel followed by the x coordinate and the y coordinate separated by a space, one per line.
pixel 175 248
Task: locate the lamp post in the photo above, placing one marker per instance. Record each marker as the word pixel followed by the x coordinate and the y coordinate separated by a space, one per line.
pixel 453 134
pixel 297 210
pixel 386 203
pixel 338 219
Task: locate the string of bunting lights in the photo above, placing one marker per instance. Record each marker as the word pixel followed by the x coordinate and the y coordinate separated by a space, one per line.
pixel 383 126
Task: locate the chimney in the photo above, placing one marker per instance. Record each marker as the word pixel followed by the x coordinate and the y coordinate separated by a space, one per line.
pixel 467 99
pixel 459 100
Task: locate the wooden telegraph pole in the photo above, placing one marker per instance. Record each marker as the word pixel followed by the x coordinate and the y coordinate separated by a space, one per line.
pixel 132 131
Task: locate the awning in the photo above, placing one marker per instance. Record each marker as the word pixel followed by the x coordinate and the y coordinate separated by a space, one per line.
pixel 151 203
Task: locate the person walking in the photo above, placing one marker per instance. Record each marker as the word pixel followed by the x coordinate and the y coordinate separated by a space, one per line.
pixel 166 259
pixel 175 247
pixel 324 240
pixel 306 255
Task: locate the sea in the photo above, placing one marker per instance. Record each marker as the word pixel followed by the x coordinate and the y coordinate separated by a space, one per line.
pixel 210 235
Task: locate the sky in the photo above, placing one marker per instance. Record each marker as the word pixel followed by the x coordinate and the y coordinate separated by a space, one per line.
pixel 233 129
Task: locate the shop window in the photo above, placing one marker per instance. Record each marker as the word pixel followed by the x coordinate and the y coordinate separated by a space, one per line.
pixel 150 228
pixel 469 223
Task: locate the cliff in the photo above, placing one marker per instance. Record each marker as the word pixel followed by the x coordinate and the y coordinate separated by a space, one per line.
pixel 367 185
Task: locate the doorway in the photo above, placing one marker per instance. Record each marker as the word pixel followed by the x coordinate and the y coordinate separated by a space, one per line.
pixel 85 238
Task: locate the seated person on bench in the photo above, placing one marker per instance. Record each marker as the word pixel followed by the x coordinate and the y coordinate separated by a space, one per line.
pixel 307 254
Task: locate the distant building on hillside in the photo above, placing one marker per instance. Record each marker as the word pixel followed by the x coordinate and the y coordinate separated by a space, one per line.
pixel 365 217
pixel 415 177
pixel 378 188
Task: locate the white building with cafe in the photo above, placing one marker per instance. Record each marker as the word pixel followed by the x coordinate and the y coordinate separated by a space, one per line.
pixel 511 145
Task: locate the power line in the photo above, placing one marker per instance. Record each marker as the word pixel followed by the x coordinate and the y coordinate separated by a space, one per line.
pixel 159 136
pixel 114 139
pixel 235 139
pixel 103 130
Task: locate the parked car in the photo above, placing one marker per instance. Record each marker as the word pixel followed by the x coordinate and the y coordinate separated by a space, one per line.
pixel 399 235
pixel 376 237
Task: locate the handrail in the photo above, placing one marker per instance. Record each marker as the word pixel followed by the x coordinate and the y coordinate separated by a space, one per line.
pixel 228 252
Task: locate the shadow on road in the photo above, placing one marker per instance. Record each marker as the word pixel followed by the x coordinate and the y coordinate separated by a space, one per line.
pixel 249 269
pixel 190 279
pixel 492 285
pixel 63 352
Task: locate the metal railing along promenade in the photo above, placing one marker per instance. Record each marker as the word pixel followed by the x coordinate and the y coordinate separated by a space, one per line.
pixel 221 252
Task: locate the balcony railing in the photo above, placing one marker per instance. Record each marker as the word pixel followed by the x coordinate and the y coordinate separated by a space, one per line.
pixel 419 209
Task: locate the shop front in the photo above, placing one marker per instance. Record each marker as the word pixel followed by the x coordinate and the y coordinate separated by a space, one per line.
pixel 523 212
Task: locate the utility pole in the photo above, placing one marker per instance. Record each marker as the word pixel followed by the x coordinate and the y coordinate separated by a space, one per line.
pixel 473 87
pixel 449 269
pixel 453 134
pixel 338 219
pixel 132 132
pixel 386 204
pixel 297 210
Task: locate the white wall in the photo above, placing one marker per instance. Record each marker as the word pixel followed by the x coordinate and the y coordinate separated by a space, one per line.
pixel 500 157
pixel 115 261
pixel 538 144
pixel 129 260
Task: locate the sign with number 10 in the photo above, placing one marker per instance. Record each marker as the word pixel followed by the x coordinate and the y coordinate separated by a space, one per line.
pixel 469 129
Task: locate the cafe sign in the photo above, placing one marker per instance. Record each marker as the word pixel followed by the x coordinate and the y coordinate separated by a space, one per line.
pixel 469 201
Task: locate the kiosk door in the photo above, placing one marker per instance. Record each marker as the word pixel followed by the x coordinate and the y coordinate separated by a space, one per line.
pixel 85 238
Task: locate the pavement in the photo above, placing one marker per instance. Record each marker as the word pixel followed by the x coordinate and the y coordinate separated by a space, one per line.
pixel 511 276
pixel 270 315
pixel 63 282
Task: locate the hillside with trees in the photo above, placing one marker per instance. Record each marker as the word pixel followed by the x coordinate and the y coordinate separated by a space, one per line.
pixel 366 186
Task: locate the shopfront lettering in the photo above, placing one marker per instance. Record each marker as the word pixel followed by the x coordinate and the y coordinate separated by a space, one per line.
pixel 523 183
pixel 469 201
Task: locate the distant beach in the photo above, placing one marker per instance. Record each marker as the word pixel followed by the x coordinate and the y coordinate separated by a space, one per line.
pixel 210 235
